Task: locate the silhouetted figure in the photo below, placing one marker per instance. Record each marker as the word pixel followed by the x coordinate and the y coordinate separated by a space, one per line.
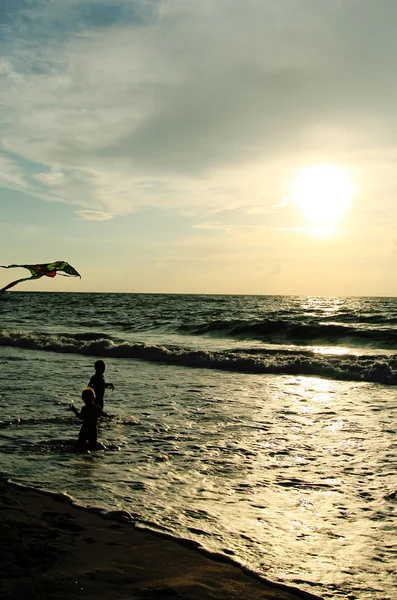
pixel 89 414
pixel 97 382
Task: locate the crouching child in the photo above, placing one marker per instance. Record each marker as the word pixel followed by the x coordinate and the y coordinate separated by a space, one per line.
pixel 89 414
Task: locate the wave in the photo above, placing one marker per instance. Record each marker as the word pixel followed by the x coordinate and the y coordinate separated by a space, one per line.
pixel 283 331
pixel 348 367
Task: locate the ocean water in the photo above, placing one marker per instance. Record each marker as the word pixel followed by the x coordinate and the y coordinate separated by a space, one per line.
pixel 262 427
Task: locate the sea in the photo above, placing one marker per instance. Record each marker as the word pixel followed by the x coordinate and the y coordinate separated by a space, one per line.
pixel 262 428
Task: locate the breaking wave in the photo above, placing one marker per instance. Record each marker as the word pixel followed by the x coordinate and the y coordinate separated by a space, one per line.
pixel 299 332
pixel 373 368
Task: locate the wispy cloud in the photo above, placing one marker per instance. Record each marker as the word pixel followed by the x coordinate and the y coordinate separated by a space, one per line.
pixel 93 215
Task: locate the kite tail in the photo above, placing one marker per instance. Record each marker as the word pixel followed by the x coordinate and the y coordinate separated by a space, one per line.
pixel 10 285
pixel 11 266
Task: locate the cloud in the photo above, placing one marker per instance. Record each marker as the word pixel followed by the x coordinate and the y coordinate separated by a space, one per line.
pixel 93 215
pixel 133 104
pixel 51 179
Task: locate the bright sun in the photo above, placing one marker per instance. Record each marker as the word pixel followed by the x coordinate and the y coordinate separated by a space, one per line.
pixel 323 192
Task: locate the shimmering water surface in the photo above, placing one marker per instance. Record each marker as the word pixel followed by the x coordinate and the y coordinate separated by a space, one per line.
pixel 262 427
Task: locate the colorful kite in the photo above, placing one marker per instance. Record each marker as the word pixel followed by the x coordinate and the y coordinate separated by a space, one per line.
pixel 37 271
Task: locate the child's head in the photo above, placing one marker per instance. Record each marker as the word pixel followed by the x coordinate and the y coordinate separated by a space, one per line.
pixel 88 396
pixel 100 366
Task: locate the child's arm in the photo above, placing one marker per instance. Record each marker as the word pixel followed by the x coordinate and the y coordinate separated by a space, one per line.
pixel 103 414
pixel 110 386
pixel 76 412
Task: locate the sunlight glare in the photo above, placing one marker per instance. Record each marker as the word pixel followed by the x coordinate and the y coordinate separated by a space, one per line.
pixel 323 192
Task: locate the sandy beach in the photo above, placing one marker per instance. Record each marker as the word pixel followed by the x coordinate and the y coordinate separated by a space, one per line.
pixel 51 549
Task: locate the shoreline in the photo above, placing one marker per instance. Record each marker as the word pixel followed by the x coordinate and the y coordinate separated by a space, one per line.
pixel 51 548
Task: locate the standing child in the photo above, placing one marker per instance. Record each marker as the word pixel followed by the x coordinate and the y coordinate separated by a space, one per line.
pixel 98 384
pixel 89 414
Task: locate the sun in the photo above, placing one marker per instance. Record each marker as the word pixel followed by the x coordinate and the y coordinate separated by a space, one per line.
pixel 323 192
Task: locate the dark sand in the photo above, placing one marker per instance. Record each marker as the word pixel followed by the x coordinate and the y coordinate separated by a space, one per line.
pixel 52 550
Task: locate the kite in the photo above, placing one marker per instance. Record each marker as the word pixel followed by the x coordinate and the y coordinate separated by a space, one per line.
pixel 37 271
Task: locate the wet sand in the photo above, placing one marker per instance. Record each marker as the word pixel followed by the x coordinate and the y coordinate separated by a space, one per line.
pixel 51 549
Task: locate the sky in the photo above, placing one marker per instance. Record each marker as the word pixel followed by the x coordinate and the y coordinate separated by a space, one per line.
pixel 212 146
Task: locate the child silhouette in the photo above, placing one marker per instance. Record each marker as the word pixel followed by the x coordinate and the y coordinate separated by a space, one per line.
pixel 98 384
pixel 89 414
